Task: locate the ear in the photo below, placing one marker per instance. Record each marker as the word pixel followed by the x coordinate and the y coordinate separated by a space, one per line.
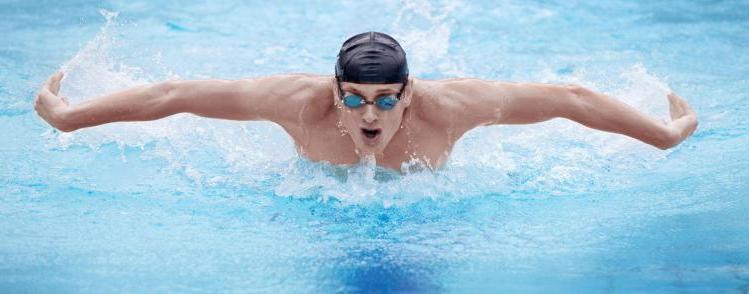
pixel 408 93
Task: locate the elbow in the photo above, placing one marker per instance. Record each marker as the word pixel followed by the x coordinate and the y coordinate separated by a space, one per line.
pixel 165 90
pixel 576 90
pixel 577 94
pixel 165 96
pixel 576 101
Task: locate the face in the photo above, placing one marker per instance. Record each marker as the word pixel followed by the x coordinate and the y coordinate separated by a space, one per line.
pixel 370 127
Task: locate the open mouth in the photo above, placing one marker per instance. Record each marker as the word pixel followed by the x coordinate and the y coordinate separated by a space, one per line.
pixel 370 133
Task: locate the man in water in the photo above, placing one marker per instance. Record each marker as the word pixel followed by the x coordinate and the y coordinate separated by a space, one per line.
pixel 370 108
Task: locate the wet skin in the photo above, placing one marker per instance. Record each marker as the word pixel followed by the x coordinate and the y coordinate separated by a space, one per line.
pixel 343 135
pixel 422 128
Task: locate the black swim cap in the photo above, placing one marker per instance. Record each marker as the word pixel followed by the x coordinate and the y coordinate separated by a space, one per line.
pixel 371 58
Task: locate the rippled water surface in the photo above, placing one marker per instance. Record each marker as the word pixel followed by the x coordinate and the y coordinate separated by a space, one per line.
pixel 190 204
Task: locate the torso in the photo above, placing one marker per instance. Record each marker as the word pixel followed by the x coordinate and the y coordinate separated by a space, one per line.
pixel 419 143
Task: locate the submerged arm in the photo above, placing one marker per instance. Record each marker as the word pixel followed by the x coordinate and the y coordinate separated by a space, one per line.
pixel 506 103
pixel 252 99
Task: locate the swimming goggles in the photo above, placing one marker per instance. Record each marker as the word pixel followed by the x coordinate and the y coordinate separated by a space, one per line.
pixel 386 102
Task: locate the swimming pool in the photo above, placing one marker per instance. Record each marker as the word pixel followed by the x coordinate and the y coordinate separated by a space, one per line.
pixel 195 205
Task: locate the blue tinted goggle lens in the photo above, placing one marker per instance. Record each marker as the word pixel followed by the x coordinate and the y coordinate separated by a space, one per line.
pixel 384 102
pixel 353 101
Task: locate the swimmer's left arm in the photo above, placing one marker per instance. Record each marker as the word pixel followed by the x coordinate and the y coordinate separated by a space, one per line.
pixel 509 103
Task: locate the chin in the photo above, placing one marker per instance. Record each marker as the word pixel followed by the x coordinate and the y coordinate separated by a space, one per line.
pixel 368 149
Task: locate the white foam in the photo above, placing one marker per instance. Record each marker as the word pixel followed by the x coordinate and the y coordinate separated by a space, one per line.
pixel 94 72
pixel 424 30
pixel 554 157
pixel 523 13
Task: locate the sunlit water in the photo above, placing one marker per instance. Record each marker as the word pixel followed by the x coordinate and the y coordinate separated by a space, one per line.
pixel 193 204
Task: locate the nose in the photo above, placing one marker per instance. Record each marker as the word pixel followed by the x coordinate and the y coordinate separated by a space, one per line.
pixel 369 116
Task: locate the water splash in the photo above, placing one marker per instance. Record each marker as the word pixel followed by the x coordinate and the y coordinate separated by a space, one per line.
pixel 560 156
pixel 184 140
pixel 523 13
pixel 425 31
pixel 554 158
pixel 100 66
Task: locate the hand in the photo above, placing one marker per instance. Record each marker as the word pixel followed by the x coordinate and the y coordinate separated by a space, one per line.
pixel 50 106
pixel 683 118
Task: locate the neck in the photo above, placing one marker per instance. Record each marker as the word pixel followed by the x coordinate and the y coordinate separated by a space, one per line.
pixel 370 155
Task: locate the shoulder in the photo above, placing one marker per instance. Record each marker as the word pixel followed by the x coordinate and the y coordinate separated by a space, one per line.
pixel 294 87
pixel 431 96
pixel 294 84
pixel 314 93
pixel 456 92
pixel 449 102
pixel 297 94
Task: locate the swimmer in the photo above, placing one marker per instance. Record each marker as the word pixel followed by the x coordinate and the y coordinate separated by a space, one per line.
pixel 371 107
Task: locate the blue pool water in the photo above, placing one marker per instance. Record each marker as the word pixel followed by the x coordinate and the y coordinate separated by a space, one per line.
pixel 188 204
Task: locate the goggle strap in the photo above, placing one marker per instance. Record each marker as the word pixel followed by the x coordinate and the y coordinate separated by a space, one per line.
pixel 340 90
pixel 403 88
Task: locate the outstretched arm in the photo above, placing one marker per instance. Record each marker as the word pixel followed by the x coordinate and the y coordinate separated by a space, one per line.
pixel 488 102
pixel 275 98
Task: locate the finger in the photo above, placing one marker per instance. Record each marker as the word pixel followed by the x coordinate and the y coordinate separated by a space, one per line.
pixel 55 86
pixel 46 97
pixel 686 109
pixel 678 102
pixel 52 79
pixel 673 108
pixel 42 95
pixel 48 82
pixel 685 105
pixel 674 99
pixel 45 93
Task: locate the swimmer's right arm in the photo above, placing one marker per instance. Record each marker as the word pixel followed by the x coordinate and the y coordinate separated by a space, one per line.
pixel 273 98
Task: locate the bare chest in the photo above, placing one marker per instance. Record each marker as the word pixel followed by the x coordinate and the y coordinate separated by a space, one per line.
pixel 414 146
